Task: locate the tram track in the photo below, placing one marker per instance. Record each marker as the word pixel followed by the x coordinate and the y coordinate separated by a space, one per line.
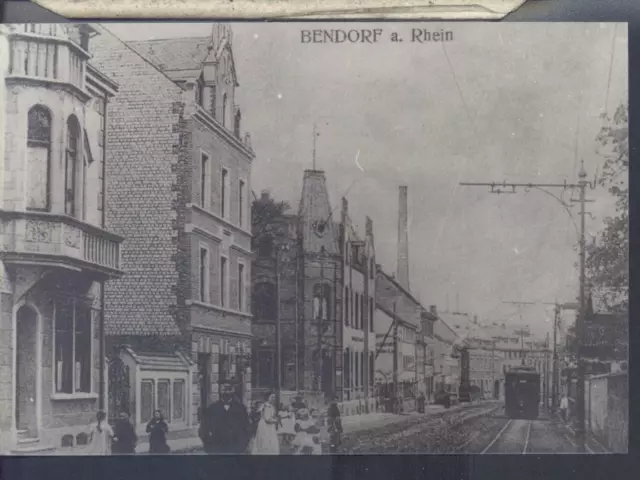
pixel 513 438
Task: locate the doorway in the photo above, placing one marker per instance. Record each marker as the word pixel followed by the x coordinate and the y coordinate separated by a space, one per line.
pixel 496 389
pixel 26 371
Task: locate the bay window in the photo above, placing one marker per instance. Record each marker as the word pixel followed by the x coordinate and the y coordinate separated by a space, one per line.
pixel 73 346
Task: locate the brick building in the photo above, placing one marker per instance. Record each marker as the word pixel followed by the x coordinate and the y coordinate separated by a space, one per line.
pixel 179 175
pixel 326 290
pixel 56 253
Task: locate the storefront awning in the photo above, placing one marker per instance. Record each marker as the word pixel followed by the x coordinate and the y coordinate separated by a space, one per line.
pixel 174 362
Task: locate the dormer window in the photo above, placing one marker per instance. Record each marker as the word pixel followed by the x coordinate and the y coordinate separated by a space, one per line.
pixel 224 110
pixel 200 91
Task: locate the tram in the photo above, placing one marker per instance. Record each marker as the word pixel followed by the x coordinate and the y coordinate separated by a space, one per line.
pixel 522 393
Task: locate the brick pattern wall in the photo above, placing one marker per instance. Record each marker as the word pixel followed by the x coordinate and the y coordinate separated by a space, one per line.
pixel 146 157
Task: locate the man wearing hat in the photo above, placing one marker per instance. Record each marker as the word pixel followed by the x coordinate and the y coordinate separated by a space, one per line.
pixel 225 426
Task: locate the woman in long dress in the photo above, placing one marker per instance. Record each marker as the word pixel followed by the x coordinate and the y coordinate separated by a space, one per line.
pixel 101 435
pixel 266 439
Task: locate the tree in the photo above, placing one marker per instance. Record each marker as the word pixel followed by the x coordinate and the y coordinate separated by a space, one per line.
pixel 267 217
pixel 607 260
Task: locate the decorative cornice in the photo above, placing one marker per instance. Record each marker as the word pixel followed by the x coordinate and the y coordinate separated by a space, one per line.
pixel 47 82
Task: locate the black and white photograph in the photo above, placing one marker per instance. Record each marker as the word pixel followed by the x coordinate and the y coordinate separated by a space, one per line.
pixel 314 238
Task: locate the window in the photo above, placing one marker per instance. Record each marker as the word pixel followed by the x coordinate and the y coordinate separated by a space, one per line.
pixel 236 124
pixel 147 400
pixel 223 281
pixel 363 365
pixel 321 302
pixel 371 314
pixel 71 166
pixel 356 362
pixel 177 412
pixel 240 287
pixel 371 368
pixel 212 107
pixel 200 91
pixel 224 110
pixel 346 305
pixel 38 158
pixel 357 319
pixel 204 181
pixel 204 275
pixel 241 203
pixel 223 193
pixel 347 369
pixel 164 399
pixel 73 341
pixel 363 308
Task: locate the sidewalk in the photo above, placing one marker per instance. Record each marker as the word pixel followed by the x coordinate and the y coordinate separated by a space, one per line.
pixel 187 441
pixel 592 445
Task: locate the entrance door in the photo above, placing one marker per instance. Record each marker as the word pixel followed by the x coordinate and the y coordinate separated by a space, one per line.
pixel 204 372
pixel 26 370
pixel 496 389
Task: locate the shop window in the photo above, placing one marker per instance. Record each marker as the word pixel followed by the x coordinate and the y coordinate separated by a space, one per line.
pixel 164 399
pixel 147 400
pixel 73 346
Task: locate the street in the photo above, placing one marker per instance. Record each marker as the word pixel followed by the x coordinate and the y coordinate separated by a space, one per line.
pixel 478 429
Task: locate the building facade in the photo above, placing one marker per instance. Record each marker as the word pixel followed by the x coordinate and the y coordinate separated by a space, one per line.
pixel 318 279
pixel 57 253
pixel 179 179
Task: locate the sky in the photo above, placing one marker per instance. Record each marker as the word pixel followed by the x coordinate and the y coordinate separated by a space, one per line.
pixel 518 102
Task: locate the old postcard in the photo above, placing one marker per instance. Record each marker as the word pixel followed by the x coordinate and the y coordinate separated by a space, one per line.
pixel 313 238
pixel 242 9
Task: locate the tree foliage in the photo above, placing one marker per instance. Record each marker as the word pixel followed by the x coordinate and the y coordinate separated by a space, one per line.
pixel 267 216
pixel 607 259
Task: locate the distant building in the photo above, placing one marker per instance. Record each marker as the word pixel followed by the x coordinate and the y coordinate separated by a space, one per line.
pixel 57 251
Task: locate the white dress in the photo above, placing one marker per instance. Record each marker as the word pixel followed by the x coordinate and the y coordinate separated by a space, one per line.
pixel 266 439
pixel 101 440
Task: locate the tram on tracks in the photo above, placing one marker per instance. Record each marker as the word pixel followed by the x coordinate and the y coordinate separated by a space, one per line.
pixel 522 393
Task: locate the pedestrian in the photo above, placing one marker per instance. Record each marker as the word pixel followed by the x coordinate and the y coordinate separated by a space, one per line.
pixel 421 402
pixel 334 426
pixel 266 439
pixel 225 425
pixel 158 429
pixel 564 407
pixel 307 440
pixel 101 435
pixel 124 436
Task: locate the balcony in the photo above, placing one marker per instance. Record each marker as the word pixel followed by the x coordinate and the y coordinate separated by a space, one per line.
pixel 47 239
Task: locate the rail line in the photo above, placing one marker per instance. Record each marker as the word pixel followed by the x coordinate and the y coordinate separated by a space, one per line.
pixel 505 428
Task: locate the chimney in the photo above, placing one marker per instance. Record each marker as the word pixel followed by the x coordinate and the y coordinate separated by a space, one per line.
pixel 402 266
pixel 434 310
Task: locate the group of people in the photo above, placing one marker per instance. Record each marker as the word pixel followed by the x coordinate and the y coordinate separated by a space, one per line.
pixel 121 439
pixel 226 427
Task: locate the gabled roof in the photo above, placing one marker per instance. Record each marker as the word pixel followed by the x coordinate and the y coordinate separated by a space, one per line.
pixel 316 216
pixel 171 54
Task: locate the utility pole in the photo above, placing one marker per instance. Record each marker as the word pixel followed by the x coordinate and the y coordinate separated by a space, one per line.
pixel 395 354
pixel 582 184
pixel 278 340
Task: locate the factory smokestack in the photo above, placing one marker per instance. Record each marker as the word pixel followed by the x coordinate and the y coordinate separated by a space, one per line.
pixel 402 266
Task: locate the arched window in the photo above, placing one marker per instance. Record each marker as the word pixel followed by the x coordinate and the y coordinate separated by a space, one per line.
pixel 236 124
pixel 71 166
pixel 213 100
pixel 321 302
pixel 38 157
pixel 224 109
pixel 200 91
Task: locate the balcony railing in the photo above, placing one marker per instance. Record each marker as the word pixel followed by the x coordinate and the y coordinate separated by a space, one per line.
pixel 39 237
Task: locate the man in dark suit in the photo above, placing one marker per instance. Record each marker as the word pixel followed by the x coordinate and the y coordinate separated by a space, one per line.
pixel 225 426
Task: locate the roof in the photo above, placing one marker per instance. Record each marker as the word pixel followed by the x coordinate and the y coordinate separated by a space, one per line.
pixel 317 226
pixel 463 326
pixel 159 361
pixel 171 54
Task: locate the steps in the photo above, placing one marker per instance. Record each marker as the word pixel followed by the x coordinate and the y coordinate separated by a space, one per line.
pixel 29 445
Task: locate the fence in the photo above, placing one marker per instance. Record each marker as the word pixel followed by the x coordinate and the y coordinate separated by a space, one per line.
pixel 607 405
